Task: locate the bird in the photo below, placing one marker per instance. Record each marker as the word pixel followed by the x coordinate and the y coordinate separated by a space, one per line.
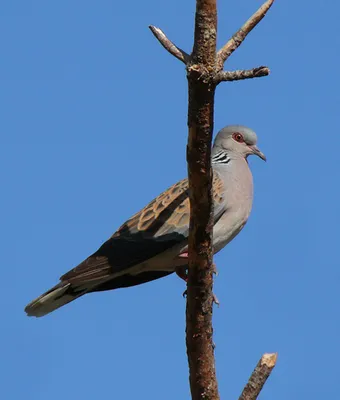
pixel 153 243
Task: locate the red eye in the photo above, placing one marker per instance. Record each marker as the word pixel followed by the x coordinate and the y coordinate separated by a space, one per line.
pixel 238 137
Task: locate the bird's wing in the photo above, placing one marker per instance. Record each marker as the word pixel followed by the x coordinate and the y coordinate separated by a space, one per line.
pixel 163 223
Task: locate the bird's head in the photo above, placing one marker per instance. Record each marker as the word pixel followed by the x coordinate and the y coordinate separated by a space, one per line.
pixel 238 140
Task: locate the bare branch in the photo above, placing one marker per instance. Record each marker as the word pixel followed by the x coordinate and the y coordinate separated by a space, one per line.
pixel 199 330
pixel 238 75
pixel 259 376
pixel 241 34
pixel 168 45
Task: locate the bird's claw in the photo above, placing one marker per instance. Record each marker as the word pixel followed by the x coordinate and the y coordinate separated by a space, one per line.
pixel 215 300
pixel 214 269
pixel 182 272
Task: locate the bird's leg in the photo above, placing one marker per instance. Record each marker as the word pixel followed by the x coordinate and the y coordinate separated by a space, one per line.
pixel 182 272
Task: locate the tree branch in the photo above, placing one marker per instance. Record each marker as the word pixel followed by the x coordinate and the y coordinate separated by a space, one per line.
pixel 241 34
pixel 241 74
pixel 199 331
pixel 259 376
pixel 168 45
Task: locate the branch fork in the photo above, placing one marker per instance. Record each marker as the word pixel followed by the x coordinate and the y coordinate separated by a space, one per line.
pixel 223 54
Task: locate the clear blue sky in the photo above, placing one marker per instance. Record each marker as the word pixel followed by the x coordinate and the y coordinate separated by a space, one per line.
pixel 93 126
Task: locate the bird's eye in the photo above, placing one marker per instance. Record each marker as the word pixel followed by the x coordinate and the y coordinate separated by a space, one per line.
pixel 238 137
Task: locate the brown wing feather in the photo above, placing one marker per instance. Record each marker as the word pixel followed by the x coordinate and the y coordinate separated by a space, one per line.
pixel 157 227
pixel 166 213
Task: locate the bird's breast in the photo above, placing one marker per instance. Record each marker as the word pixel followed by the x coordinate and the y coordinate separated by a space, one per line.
pixel 238 198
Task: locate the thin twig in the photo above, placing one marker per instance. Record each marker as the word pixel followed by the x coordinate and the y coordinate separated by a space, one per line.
pixel 238 75
pixel 259 376
pixel 168 45
pixel 241 34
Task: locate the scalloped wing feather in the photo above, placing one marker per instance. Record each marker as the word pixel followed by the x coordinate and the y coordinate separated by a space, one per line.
pixel 168 213
pixel 162 224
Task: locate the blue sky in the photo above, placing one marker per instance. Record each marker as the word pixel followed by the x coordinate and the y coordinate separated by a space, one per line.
pixel 93 126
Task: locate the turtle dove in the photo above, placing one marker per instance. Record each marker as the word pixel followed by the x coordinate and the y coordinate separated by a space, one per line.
pixel 153 242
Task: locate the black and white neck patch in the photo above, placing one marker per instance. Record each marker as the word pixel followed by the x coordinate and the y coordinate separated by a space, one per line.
pixel 221 158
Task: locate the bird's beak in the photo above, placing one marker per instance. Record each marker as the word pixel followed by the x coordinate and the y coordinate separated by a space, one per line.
pixel 255 150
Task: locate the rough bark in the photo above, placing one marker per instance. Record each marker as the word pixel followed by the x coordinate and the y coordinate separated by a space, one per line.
pixel 258 377
pixel 199 330
pixel 225 76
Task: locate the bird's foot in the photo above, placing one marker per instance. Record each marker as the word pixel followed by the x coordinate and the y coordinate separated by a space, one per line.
pixel 215 300
pixel 182 272
pixel 214 297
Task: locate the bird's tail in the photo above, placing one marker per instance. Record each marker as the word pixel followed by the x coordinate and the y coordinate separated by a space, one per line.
pixel 54 298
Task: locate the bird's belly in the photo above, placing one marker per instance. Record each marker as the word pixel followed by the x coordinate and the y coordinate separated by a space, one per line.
pixel 222 241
